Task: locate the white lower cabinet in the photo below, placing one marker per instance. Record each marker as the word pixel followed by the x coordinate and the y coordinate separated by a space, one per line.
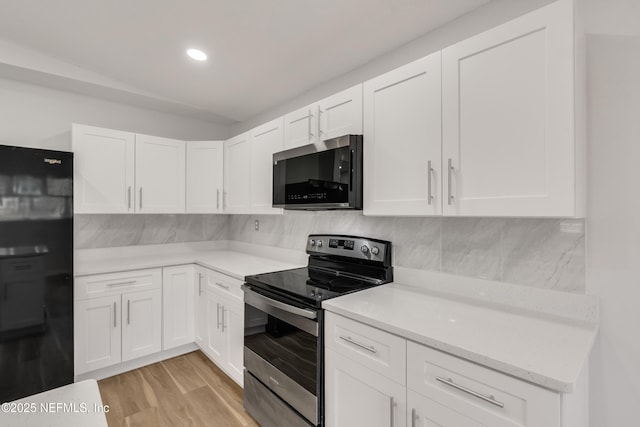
pixel 362 386
pixel 178 306
pixel 220 321
pixel 359 396
pixel 117 317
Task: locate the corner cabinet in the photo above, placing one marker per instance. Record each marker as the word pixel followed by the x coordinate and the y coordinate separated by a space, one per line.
pixel 178 306
pixel 510 146
pixel 402 148
pixel 204 176
pixel 237 174
pixel 104 170
pixel 375 378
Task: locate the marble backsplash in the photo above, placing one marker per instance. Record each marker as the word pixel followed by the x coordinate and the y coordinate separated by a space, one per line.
pixel 103 231
pixel 545 253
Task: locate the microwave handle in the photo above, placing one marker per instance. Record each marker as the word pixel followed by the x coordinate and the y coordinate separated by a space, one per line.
pixel 350 169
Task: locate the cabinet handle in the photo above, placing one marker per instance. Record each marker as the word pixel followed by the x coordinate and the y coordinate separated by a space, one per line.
pixel 310 120
pixel 489 399
pixel 222 286
pixel 429 172
pixel 218 199
pixel 224 199
pixel 320 112
pixel 6 290
pixel 413 417
pixel 129 197
pixel 115 324
pixel 218 316
pixel 449 173
pixel 199 284
pixel 371 348
pixel 223 311
pixel 140 197
pixel 130 282
pixel 128 312
pixel 392 407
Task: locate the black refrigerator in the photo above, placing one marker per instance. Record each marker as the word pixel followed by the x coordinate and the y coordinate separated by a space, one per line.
pixel 36 271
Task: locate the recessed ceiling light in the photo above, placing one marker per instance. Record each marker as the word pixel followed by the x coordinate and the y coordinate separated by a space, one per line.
pixel 197 54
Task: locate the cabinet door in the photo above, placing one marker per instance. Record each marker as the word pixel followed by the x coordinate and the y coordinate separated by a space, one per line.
pixel 301 127
pixel 96 333
pixel 341 114
pixel 205 162
pixel 424 412
pixel 160 175
pixel 178 306
pixel 103 168
pixel 233 328
pixel 216 344
pixel 265 140
pixel 508 130
pixel 358 396
pixel 402 147
pixel 237 174
pixel 141 323
pixel 200 308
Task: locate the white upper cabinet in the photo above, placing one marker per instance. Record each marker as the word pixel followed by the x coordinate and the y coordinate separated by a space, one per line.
pixel 160 175
pixel 237 174
pixel 205 162
pixel 265 140
pixel 509 139
pixel 340 114
pixel 337 115
pixel 103 170
pixel 301 127
pixel 402 140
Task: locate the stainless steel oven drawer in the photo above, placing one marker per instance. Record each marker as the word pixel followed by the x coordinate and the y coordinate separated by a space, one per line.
pixel 265 406
pixel 293 393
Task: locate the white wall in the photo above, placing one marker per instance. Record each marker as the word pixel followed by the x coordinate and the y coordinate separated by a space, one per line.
pixel 35 116
pixel 483 18
pixel 613 226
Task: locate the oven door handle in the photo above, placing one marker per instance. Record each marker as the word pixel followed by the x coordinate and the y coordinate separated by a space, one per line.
pixel 252 296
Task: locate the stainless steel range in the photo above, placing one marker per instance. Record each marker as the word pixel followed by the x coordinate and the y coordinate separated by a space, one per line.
pixel 283 344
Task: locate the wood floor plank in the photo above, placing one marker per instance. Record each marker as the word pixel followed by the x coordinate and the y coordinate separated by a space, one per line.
pixel 181 372
pixel 187 391
pixel 225 388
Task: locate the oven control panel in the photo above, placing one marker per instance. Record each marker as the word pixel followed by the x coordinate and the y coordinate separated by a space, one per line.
pixel 350 246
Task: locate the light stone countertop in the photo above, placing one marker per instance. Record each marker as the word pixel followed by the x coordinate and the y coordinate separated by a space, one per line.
pixel 542 349
pixel 236 262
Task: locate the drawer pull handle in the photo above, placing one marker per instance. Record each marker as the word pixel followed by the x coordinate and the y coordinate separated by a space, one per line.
pixel 130 282
pixel 370 348
pixel 489 399
pixel 274 381
pixel 222 286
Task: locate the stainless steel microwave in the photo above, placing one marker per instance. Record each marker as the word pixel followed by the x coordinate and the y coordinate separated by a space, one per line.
pixel 319 176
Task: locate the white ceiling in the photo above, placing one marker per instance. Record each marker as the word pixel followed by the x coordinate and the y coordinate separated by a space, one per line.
pixel 262 52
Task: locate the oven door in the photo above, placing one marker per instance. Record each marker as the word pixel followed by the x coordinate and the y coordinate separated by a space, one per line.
pixel 282 351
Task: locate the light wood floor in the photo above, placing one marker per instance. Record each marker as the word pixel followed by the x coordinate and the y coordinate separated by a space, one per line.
pixel 188 390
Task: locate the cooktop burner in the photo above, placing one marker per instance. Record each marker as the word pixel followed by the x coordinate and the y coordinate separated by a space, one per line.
pixel 337 265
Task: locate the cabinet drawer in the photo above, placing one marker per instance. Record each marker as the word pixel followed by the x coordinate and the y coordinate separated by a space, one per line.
pixel 482 394
pixel 380 351
pixel 225 284
pixel 21 268
pixel 115 283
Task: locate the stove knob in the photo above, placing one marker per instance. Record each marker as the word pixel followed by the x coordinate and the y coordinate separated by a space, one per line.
pixel 312 242
pixel 375 250
pixel 365 249
pixel 319 243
